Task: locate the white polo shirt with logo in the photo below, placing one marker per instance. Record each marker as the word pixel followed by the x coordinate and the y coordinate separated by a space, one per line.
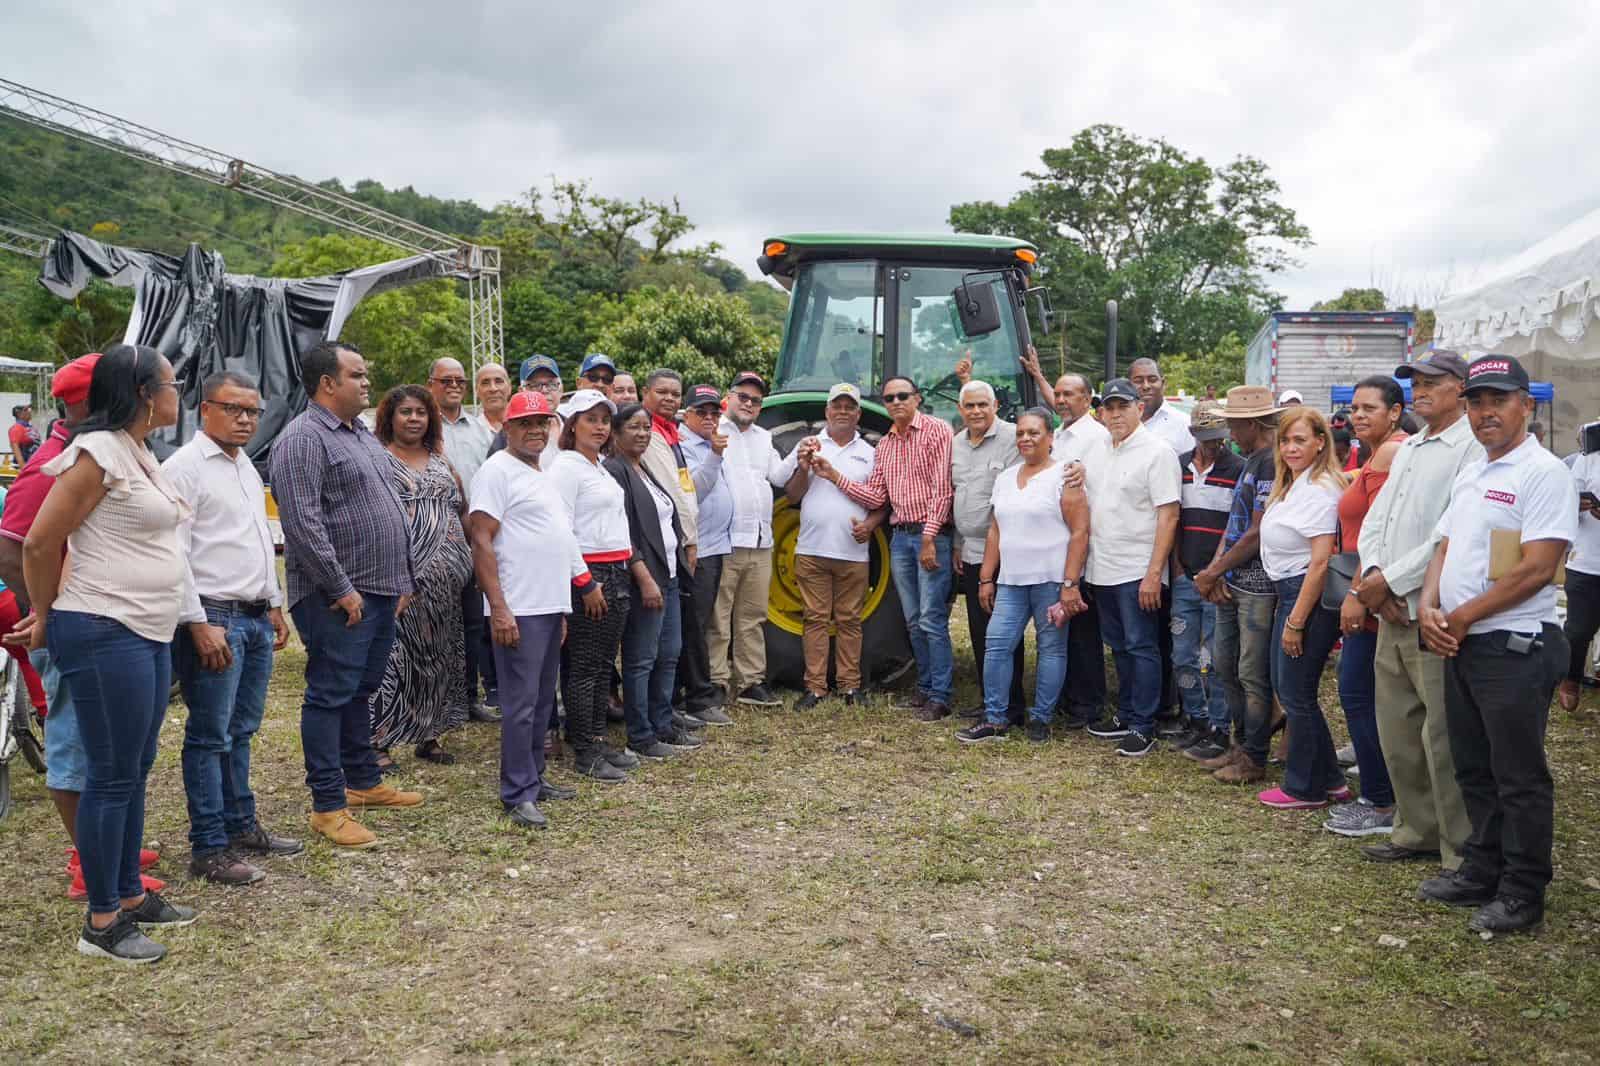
pixel 1528 490
pixel 1139 476
pixel 825 512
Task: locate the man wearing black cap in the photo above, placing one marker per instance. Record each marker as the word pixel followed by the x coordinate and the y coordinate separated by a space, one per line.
pixel 1489 607
pixel 1397 542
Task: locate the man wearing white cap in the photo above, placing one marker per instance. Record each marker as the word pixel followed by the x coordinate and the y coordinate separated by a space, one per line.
pixel 830 561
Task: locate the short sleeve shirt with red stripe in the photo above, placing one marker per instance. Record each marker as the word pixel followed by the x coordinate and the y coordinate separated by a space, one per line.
pixel 912 474
pixel 27 493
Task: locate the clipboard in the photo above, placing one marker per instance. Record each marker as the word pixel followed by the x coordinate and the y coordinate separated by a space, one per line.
pixel 1505 552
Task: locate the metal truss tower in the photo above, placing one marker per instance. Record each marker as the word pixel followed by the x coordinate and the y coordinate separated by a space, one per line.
pixel 23 242
pixel 479 265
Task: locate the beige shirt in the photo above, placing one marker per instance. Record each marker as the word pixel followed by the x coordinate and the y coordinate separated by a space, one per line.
pixel 663 465
pixel 125 561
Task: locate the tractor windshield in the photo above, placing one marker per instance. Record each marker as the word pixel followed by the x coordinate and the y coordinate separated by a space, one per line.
pixel 835 328
pixel 930 341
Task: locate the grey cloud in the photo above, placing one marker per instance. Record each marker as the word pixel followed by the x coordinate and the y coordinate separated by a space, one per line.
pixel 1414 139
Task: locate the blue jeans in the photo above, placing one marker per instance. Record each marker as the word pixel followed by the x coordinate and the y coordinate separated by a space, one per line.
pixel 1358 693
pixel 119 683
pixel 925 600
pixel 1310 769
pixel 225 709
pixel 651 644
pixel 344 667
pixel 1244 667
pixel 66 766
pixel 1013 606
pixel 1194 656
pixel 1133 634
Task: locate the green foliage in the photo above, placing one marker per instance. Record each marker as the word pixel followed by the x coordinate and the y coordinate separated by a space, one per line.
pixel 705 338
pixel 401 332
pixel 1354 300
pixel 1222 366
pixel 1185 247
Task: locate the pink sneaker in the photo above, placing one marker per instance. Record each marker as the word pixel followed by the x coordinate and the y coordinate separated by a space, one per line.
pixel 1342 794
pixel 1278 799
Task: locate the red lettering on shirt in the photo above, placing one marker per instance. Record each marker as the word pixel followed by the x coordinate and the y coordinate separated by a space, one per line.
pixel 1500 497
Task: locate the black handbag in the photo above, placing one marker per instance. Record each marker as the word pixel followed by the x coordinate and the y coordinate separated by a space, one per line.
pixel 1342 571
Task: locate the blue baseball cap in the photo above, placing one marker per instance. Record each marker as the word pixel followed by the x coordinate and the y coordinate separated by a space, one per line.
pixel 595 359
pixel 539 362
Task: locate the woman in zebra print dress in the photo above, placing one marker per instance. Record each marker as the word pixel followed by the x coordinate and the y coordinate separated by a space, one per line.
pixel 423 694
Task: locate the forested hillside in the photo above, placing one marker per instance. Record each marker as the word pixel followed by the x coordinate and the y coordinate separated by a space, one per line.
pixel 581 269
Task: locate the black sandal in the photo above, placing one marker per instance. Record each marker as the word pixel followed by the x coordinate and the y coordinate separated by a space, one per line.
pixel 431 751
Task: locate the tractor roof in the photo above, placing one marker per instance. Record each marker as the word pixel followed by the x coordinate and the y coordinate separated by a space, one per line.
pixel 955 248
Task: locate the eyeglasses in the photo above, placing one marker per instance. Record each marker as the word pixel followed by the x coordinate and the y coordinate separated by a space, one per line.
pixel 238 411
pixel 451 383
pixel 897 397
pixel 552 385
pixel 176 384
pixel 745 397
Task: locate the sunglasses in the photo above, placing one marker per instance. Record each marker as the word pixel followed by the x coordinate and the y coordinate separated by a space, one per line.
pixel 745 397
pixel 897 397
pixel 599 377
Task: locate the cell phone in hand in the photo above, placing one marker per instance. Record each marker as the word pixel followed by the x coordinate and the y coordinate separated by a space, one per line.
pixel 1589 499
pixel 1057 613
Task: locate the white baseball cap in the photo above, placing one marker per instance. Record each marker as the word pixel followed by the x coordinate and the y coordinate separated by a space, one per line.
pixel 1290 396
pixel 844 388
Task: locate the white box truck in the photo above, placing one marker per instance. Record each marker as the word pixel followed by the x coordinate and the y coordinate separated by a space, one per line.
pixel 1312 351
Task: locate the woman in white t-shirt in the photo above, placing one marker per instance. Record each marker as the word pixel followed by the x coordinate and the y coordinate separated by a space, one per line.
pixel 109 627
pixel 1032 563
pixel 597 505
pixel 1583 576
pixel 1297 534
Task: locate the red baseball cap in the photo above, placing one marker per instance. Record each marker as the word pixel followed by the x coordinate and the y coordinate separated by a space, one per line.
pixel 528 405
pixel 71 383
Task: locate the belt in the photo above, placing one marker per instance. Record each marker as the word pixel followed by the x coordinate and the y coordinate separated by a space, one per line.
pixel 916 527
pixel 248 608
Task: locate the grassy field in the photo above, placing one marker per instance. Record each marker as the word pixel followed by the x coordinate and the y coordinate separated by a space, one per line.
pixel 843 886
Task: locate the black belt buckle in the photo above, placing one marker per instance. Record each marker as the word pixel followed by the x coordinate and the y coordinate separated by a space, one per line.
pixel 248 608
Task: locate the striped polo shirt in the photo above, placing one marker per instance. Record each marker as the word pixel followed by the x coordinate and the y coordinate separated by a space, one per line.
pixel 1203 508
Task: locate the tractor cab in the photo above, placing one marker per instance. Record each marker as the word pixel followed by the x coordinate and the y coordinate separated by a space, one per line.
pixel 865 309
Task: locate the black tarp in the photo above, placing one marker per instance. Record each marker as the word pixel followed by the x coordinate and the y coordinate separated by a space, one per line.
pixel 206 320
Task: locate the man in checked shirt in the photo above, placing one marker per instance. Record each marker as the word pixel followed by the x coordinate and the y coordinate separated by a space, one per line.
pixel 912 474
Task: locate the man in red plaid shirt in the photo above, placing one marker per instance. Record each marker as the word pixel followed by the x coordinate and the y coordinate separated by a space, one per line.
pixel 912 473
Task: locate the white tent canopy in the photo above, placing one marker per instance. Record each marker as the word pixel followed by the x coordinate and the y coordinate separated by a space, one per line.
pixel 1541 306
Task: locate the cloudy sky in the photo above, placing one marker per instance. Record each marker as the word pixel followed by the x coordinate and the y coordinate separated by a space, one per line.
pixel 1421 142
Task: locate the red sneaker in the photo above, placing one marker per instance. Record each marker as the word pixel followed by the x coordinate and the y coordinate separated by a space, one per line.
pixel 147 859
pixel 79 890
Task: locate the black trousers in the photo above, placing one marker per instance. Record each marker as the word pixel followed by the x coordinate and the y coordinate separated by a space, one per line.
pixel 1083 697
pixel 1583 618
pixel 591 650
pixel 1496 704
pixel 978 628
pixel 475 632
pixel 699 598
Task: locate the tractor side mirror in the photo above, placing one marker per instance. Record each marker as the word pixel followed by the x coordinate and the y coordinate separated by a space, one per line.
pixel 977 308
pixel 1041 304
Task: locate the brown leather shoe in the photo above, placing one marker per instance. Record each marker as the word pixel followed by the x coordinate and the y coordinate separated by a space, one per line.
pixel 1568 695
pixel 381 795
pixel 1227 758
pixel 223 867
pixel 1242 771
pixel 343 830
pixel 932 711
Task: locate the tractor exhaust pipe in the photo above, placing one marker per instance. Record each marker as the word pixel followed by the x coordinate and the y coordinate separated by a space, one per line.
pixel 1111 339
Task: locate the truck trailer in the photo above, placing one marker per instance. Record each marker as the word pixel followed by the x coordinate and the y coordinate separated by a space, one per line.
pixel 1312 351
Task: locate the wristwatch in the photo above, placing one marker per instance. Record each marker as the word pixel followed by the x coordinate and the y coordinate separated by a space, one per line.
pixel 1069 582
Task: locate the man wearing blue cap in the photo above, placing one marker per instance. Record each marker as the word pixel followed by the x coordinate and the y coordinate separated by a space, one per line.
pixel 599 371
pixel 541 375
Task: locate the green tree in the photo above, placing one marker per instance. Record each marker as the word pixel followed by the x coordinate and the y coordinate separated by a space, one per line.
pixel 705 338
pixel 1185 247
pixel 400 332
pixel 1354 300
pixel 1222 366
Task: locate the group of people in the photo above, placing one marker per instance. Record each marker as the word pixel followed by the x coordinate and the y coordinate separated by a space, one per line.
pixel 613 545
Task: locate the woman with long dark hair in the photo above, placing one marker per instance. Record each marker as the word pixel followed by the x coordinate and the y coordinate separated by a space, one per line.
pixel 1297 530
pixel 653 636
pixel 423 694
pixel 109 626
pixel 598 505
pixel 1375 412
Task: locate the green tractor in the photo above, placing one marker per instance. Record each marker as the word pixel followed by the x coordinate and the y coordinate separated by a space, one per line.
pixel 865 308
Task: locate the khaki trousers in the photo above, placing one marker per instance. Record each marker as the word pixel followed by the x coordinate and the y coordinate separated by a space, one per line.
pixel 737 620
pixel 834 591
pixel 1429 812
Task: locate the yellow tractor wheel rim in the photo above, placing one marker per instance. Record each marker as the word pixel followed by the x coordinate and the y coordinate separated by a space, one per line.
pixel 785 606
